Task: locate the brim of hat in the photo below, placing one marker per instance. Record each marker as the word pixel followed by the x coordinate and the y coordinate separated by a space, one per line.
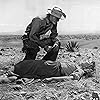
pixel 49 12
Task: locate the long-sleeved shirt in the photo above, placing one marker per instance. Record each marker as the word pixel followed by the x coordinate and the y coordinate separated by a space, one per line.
pixel 37 69
pixel 39 27
pixel 45 69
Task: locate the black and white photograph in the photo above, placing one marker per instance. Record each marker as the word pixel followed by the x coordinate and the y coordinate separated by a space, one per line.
pixel 49 49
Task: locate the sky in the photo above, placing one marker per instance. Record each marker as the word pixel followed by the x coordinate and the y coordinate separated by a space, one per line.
pixel 82 15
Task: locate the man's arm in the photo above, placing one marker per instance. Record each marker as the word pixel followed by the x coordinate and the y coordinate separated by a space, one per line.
pixel 53 36
pixel 59 78
pixel 33 36
pixel 75 75
pixel 54 32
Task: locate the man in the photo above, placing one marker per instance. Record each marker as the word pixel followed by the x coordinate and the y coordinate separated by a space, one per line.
pixel 41 69
pixel 35 31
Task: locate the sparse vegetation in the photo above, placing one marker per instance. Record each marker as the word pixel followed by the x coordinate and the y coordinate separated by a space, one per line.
pixel 55 90
pixel 80 36
pixel 72 46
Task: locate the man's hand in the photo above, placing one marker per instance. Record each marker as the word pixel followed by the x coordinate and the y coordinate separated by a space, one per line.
pixel 55 47
pixel 47 48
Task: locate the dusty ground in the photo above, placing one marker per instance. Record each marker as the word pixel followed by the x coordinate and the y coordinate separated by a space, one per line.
pixel 66 90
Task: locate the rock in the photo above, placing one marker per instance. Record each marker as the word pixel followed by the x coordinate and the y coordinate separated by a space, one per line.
pixel 17 87
pixel 2 49
pixel 95 47
pixel 4 79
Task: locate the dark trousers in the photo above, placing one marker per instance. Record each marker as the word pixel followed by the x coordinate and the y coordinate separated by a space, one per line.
pixel 31 54
pixel 52 55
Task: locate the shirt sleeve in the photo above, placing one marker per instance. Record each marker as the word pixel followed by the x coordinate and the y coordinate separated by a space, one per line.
pixel 34 30
pixel 54 32
pixel 33 36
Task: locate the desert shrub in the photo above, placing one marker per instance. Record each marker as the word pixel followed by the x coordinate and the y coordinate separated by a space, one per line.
pixel 72 46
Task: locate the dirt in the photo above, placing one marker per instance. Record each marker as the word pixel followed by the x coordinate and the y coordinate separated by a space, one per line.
pixel 55 90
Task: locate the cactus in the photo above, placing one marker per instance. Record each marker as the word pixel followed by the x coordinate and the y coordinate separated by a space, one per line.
pixel 72 46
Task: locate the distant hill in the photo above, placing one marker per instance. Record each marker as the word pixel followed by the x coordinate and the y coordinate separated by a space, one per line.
pixel 18 35
pixel 84 40
pixel 20 32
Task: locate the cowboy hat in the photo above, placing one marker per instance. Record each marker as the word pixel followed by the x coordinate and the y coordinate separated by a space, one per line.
pixel 57 12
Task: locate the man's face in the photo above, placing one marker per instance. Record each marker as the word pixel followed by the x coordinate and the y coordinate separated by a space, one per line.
pixel 54 19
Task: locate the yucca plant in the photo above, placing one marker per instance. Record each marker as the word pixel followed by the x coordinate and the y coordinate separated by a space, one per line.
pixel 72 46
